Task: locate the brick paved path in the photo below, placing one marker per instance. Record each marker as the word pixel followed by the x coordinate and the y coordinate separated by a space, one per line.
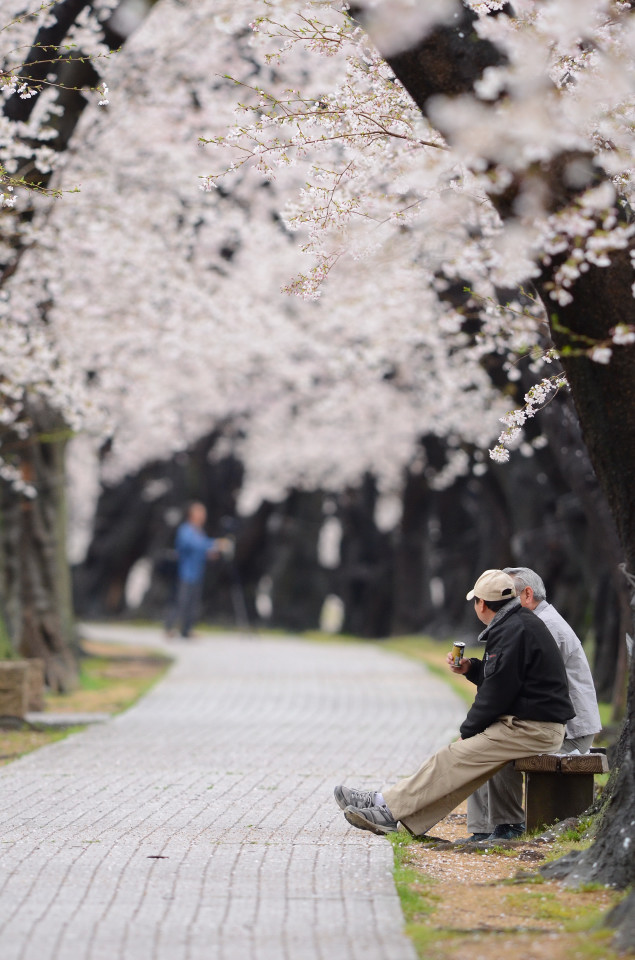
pixel 200 825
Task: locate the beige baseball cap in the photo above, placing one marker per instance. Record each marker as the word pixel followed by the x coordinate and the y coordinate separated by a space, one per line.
pixel 493 585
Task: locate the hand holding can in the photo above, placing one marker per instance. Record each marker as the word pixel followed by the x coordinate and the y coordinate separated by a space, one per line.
pixel 456 660
pixel 458 650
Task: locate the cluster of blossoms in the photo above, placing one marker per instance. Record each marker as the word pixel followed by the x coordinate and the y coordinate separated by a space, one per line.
pixel 24 143
pixel 377 170
pixel 342 134
pixel 535 398
pixel 177 324
pixel 8 198
pixel 13 86
pixel 32 367
pixel 161 313
pixel 587 233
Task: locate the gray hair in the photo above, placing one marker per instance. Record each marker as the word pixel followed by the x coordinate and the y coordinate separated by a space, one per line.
pixel 524 577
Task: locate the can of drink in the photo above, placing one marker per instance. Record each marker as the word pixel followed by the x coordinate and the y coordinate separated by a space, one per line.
pixel 458 649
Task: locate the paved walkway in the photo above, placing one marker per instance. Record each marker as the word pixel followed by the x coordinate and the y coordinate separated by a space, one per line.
pixel 200 825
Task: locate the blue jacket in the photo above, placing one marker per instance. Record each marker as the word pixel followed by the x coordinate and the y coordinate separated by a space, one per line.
pixel 192 546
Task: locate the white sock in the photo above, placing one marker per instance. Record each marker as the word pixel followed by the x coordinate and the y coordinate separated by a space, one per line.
pixel 379 799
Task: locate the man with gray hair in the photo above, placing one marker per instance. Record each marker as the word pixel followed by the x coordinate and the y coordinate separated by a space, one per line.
pixel 495 810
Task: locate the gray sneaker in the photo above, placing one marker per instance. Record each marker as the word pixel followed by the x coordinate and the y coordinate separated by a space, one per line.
pixel 376 819
pixel 349 797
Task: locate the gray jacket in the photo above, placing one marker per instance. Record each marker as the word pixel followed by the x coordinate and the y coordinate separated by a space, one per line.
pixel 581 688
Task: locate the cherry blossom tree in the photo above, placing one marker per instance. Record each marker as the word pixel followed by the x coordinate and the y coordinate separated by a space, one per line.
pixel 50 60
pixel 312 394
pixel 311 376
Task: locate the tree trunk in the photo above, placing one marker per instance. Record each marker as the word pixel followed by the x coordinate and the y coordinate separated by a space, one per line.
pixel 610 858
pixel 35 576
pixel 413 607
pixel 299 585
pixel 612 608
pixel 364 577
pixel 604 396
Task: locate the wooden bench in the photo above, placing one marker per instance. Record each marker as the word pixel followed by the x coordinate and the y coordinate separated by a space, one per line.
pixel 21 687
pixel 558 787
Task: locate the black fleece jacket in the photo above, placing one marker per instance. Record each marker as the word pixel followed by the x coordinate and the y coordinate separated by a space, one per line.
pixel 522 673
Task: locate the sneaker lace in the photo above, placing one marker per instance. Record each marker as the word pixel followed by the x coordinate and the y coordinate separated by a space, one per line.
pixel 367 797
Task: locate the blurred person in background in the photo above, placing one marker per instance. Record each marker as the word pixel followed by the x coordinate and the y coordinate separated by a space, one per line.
pixel 193 548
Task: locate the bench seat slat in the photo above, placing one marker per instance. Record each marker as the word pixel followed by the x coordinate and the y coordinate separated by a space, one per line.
pixel 549 763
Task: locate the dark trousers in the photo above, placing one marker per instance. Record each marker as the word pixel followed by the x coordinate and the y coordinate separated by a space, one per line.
pixel 185 610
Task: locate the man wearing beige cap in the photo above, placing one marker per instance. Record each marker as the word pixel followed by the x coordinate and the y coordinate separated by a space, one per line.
pixel 495 810
pixel 520 709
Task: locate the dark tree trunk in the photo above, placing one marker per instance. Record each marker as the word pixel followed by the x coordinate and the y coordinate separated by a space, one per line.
pixel 604 396
pixel 299 585
pixel 364 577
pixel 612 614
pixel 610 858
pixel 413 606
pixel 608 644
pixel 36 583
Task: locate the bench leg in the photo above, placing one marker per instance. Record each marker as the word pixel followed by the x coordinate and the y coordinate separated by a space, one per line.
pixel 550 797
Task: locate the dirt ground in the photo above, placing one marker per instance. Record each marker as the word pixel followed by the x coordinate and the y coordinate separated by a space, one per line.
pixel 483 902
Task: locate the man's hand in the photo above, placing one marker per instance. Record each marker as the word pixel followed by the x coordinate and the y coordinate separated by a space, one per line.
pixel 463 666
pixel 223 547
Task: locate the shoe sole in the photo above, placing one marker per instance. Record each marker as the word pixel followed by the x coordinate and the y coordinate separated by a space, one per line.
pixel 355 818
pixel 339 798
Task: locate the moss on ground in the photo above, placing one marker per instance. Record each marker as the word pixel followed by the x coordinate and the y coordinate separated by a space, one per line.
pixel 462 905
pixel 416 890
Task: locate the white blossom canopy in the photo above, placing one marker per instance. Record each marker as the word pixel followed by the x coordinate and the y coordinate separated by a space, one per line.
pixel 164 311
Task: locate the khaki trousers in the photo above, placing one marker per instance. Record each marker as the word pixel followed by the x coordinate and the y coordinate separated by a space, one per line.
pixel 457 770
